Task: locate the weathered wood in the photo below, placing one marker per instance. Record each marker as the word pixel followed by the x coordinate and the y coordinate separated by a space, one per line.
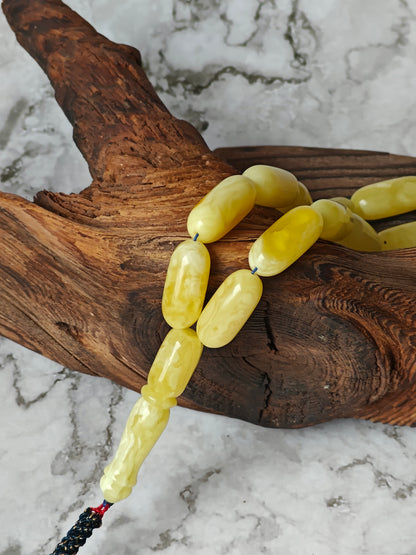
pixel 81 276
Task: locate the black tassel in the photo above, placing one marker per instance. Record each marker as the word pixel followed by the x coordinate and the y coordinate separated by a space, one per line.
pixel 78 534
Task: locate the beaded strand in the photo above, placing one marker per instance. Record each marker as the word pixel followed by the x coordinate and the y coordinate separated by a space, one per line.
pixel 340 220
pixel 235 299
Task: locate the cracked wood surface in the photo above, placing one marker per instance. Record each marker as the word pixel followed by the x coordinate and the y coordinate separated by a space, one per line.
pixel 82 275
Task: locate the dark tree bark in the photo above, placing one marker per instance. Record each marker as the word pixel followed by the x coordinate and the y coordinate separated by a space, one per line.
pixel 81 275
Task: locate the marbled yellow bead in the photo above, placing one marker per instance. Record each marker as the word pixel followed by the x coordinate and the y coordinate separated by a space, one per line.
pixel 344 201
pixel 361 236
pixel 186 284
pixel 229 308
pixel 346 228
pixel 386 198
pixel 144 426
pixel 285 241
pixel 170 373
pixel 303 198
pixel 222 208
pixel 173 366
pixel 398 237
pixel 274 186
pixel 336 219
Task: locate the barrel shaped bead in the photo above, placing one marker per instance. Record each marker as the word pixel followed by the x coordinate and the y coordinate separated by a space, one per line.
pixel 385 198
pixel 303 198
pixel 336 219
pixel 274 186
pixel 173 366
pixel 398 237
pixel 186 284
pixel 222 208
pixel 285 241
pixel 344 201
pixel 229 308
pixel 143 428
pixel 361 236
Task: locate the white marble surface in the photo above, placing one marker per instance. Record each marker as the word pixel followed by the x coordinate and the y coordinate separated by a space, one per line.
pixel 324 73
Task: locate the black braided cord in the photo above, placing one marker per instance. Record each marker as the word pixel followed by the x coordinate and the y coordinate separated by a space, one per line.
pixel 78 534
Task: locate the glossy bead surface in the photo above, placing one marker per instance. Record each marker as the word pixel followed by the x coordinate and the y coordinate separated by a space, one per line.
pixel 336 219
pixel 229 308
pixel 222 208
pixel 344 201
pixel 285 241
pixel 398 237
pixel 144 426
pixel 386 198
pixel 361 236
pixel 173 367
pixel 303 198
pixel 170 373
pixel 274 186
pixel 346 228
pixel 186 284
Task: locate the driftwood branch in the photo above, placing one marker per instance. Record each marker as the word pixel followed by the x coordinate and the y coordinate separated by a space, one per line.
pixel 81 275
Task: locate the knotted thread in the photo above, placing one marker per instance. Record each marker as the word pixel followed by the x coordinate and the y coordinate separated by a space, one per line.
pixel 82 529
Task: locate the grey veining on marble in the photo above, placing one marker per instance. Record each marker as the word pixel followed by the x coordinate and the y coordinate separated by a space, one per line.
pixel 325 73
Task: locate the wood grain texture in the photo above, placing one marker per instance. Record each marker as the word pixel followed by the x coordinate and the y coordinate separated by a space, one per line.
pixel 81 276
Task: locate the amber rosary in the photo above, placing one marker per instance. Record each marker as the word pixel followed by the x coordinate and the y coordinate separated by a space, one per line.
pixel 341 220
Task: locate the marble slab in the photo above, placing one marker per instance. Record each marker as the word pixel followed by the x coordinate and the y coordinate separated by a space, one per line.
pixel 327 73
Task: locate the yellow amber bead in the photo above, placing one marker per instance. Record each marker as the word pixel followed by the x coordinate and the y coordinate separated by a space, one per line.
pixel 336 219
pixel 274 186
pixel 186 284
pixel 285 241
pixel 173 366
pixel 144 426
pixel 303 198
pixel 344 201
pixel 229 308
pixel 170 373
pixel 386 198
pixel 361 236
pixel 346 228
pixel 398 237
pixel 222 208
